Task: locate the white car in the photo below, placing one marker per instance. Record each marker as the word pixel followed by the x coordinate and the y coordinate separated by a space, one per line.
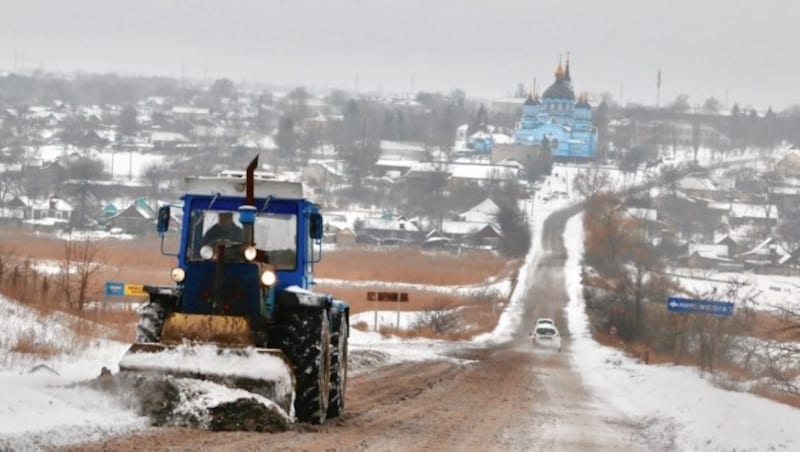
pixel 545 321
pixel 546 335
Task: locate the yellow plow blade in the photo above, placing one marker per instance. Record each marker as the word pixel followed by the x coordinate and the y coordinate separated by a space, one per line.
pixel 214 329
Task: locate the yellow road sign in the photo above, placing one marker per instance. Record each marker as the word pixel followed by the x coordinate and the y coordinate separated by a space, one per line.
pixel 135 290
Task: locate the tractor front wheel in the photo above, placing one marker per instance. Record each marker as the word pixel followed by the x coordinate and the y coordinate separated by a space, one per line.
pixel 305 340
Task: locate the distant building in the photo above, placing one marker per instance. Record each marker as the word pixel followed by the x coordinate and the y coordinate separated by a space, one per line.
pixel 558 121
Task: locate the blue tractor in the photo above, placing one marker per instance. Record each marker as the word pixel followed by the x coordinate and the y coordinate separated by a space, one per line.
pixel 245 261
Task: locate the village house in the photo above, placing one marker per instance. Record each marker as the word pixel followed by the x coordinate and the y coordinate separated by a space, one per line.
pixel 138 218
pixel 387 231
pixel 769 257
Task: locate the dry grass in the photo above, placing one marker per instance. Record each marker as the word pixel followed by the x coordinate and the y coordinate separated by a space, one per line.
pixel 27 344
pixel 412 266
pixel 418 300
pixel 140 261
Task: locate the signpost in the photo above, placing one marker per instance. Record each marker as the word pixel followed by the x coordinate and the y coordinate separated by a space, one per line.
pixel 686 306
pixel 120 289
pixel 114 289
pixel 396 297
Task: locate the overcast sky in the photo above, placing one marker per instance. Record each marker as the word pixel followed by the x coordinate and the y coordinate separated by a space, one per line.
pixel 745 51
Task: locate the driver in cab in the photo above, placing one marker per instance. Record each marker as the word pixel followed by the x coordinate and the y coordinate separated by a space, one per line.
pixel 224 230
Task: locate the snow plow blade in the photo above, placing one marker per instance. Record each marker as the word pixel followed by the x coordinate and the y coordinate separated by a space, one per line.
pixel 216 349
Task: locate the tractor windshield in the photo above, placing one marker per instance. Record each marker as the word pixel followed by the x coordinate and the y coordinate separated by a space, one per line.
pixel 274 233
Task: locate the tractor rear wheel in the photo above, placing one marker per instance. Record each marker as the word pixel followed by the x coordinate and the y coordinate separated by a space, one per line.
pixel 338 365
pixel 305 340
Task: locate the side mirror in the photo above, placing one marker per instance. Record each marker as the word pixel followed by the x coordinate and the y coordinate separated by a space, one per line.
pixel 163 220
pixel 315 226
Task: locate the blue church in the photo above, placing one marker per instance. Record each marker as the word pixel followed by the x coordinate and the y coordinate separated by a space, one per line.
pixel 558 121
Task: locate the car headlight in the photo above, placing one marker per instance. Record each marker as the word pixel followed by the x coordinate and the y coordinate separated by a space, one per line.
pixel 177 274
pixel 207 252
pixel 250 253
pixel 268 278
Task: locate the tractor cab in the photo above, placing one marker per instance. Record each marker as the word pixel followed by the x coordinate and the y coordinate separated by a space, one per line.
pixel 236 252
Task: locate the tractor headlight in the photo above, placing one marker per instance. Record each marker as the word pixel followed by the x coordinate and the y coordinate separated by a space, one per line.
pixel 177 274
pixel 269 278
pixel 250 253
pixel 207 252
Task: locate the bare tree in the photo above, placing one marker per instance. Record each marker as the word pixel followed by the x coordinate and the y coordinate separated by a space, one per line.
pixel 714 335
pixel 592 182
pixel 82 261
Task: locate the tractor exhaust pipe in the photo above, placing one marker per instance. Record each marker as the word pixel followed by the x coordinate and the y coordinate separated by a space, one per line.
pixel 251 169
pixel 247 211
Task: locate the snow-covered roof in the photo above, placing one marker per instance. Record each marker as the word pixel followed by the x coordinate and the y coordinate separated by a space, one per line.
pixel 55 204
pixel 462 228
pixel 511 162
pixel 396 163
pixel 501 138
pixel 158 135
pixel 769 247
pixel 697 184
pixel 265 142
pixel 186 110
pixel 744 210
pixel 486 211
pixel 708 251
pixel 382 224
pixel 387 145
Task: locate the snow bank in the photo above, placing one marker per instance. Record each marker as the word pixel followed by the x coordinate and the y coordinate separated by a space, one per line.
pixel 678 409
pixel 215 361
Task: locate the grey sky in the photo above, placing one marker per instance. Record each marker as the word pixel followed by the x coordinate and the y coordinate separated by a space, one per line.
pixel 704 47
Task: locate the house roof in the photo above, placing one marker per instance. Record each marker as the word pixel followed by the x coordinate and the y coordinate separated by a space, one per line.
pixel 485 211
pixel 697 184
pixel 744 210
pixel 708 251
pixel 382 224
pixel 463 228
pixel 59 205
pixel 769 247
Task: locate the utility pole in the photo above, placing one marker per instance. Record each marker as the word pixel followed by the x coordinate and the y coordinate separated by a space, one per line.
pixel 658 90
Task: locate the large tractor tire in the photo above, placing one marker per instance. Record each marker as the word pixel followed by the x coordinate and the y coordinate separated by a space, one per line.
pixel 151 321
pixel 305 340
pixel 338 365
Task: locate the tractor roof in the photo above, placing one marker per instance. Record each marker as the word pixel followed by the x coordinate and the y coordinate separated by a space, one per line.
pixel 232 183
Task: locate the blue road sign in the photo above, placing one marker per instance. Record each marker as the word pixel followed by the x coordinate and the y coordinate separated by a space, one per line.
pixel 686 305
pixel 115 289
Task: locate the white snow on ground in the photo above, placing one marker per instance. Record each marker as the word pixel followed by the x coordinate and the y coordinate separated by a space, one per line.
pixel 45 408
pixel 675 403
